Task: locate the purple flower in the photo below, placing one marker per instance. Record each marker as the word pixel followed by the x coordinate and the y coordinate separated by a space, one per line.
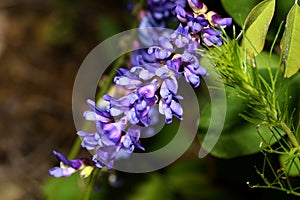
pixel 181 36
pixel 158 14
pixel 96 114
pixel 202 23
pixel 67 167
pixel 147 91
pixel 141 105
pixel 187 64
pixel 180 13
pixel 163 49
pixel 212 37
pixel 196 22
pixel 169 104
pixel 175 64
pixel 197 6
pixel 216 20
pixel 106 154
pixel 161 9
pixel 113 131
pixel 127 78
pixel 192 74
pixel 134 135
pixel 90 141
pixel 115 134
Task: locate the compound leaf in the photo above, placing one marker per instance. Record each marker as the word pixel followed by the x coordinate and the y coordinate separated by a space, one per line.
pixel 290 43
pixel 256 27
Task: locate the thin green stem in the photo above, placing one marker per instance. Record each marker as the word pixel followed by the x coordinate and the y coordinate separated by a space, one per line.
pixel 275 39
pixel 277 178
pixel 76 145
pixel 90 187
pixel 282 144
pixel 138 7
pixel 277 188
pixel 110 78
pixel 290 134
pixel 75 148
pixel 287 176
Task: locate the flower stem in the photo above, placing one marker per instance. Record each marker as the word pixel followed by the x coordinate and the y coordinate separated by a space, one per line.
pixel 290 134
pixel 110 78
pixel 75 148
pixel 91 184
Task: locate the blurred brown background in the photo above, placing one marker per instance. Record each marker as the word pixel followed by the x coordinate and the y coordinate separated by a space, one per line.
pixel 42 44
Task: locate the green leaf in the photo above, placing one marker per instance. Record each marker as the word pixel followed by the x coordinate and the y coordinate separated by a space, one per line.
pixel 239 9
pixel 154 188
pixel 238 137
pixel 290 43
pixel 291 165
pixel 256 27
pixel 64 188
pixel 190 179
pixel 241 141
pixel 264 61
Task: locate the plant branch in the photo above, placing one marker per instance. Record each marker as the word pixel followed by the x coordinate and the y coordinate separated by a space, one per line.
pixel 290 134
pixel 90 187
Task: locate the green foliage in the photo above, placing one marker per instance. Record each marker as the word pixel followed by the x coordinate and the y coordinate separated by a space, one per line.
pixel 239 9
pixel 191 180
pixel 258 94
pixel 186 179
pixel 291 43
pixel 270 101
pixel 264 61
pixel 281 10
pixel 256 27
pixel 154 188
pixel 238 137
pixel 290 164
pixel 73 188
pixel 280 178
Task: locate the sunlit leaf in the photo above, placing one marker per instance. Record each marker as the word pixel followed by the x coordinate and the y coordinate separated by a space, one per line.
pixel 239 9
pixel 256 27
pixel 290 43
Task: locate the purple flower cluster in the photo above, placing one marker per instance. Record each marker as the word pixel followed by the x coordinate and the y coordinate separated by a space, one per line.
pixel 150 80
pixel 159 12
pixel 112 124
pixel 201 22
